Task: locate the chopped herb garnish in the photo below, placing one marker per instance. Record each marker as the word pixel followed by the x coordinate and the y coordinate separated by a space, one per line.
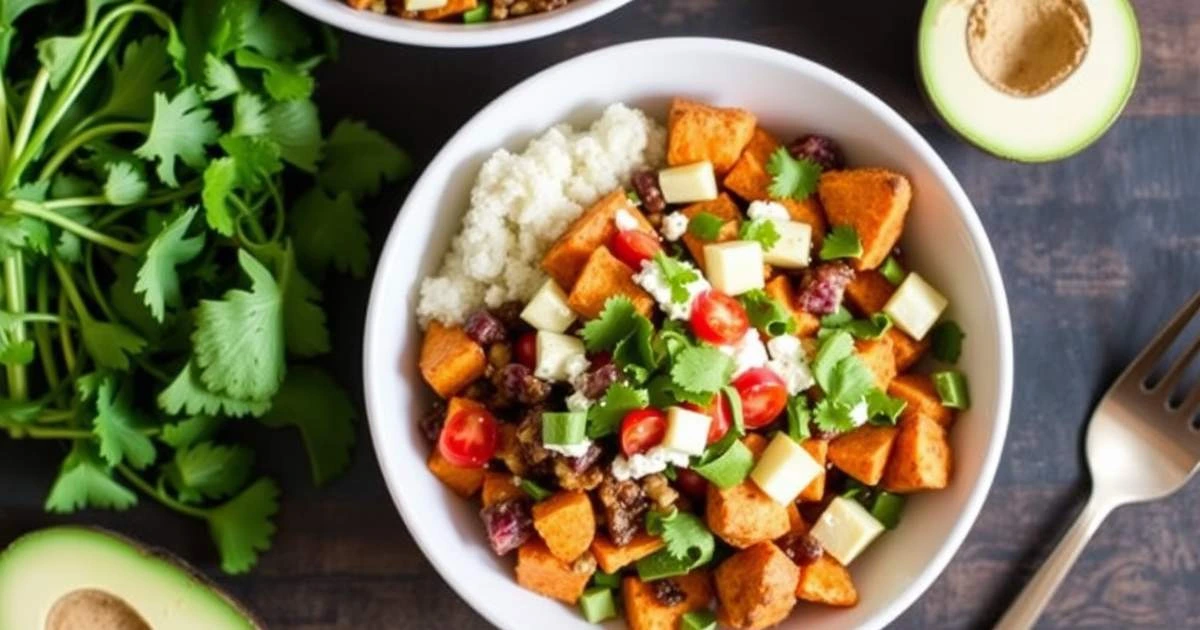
pixel 872 327
pixel 952 389
pixel 688 545
pixel 792 178
pixel 479 14
pixel 698 620
pixel 767 314
pixel 702 369
pixel 678 275
pixel 534 490
pixel 633 197
pixel 706 226
pixel 892 271
pixel 884 409
pixel 946 341
pixel 798 418
pixel 837 319
pixel 841 242
pixel 604 417
pixel 763 231
pixel 726 467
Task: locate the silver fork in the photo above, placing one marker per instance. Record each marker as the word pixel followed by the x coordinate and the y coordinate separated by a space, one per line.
pixel 1140 447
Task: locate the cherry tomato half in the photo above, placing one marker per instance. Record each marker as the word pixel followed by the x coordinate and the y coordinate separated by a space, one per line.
pixel 691 483
pixel 526 350
pixel 641 430
pixel 764 396
pixel 718 318
pixel 633 247
pixel 469 438
pixel 721 414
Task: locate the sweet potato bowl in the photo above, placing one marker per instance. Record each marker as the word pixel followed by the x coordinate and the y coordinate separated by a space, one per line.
pixel 943 238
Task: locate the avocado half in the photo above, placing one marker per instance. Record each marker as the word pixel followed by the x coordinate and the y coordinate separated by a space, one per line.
pixel 63 578
pixel 1029 80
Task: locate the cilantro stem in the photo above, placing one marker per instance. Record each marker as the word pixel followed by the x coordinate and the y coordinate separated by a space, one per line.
pixel 71 291
pixel 38 210
pixel 89 272
pixel 159 495
pixel 70 146
pixel 41 331
pixel 256 228
pixel 64 336
pixel 277 197
pixel 168 196
pixel 14 289
pixel 32 105
pixel 5 152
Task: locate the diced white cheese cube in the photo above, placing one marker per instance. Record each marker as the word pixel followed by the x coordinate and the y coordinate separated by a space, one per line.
pixel 557 355
pixel 915 306
pixel 784 470
pixel 687 430
pixel 734 267
pixel 688 183
pixel 422 5
pixel 548 309
pixel 793 250
pixel 845 528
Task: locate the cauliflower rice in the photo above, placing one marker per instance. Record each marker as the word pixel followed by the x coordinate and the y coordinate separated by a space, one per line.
pixel 522 202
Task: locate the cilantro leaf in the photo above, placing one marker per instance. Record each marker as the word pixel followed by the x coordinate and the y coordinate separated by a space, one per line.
pixel 798 418
pixel 946 341
pixel 130 306
pixel 157 278
pixel 832 416
pixel 664 392
pixel 187 394
pixel 255 159
pixel 109 343
pixel 282 80
pixel 220 79
pixel 677 275
pixel 884 409
pixel 190 431
pixel 181 128
pixel 872 327
pixel 303 320
pixel 239 340
pixel 604 417
pixel 761 230
pixel 219 179
pixel 142 72
pixel 295 127
pixel 850 381
pixel 635 353
pixel 706 226
pixel 85 481
pixel 613 324
pixel 321 410
pixel 841 242
pixel 249 115
pixel 791 178
pixel 117 427
pixel 358 159
pixel 688 545
pixel 58 54
pixel 13 352
pixel 329 231
pixel 277 32
pixel 124 185
pixel 832 350
pixel 767 314
pixel 209 471
pixel 242 527
pixel 702 369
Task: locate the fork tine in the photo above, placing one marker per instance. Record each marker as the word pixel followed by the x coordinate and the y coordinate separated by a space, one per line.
pixel 1191 405
pixel 1141 366
pixel 1177 369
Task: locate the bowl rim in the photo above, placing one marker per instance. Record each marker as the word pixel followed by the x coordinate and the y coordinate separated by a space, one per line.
pixel 391 28
pixel 963 206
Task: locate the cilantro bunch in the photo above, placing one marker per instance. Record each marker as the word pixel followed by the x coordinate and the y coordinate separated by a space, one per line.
pixel 168 209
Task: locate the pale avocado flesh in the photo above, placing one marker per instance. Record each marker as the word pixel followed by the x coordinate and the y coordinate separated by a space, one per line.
pixel 1050 125
pixel 65 577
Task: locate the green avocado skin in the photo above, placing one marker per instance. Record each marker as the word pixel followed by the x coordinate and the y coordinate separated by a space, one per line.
pixel 41 567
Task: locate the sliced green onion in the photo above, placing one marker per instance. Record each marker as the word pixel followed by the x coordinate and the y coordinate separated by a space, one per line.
pixel 952 389
pixel 633 197
pixel 946 341
pixel 706 226
pixel 892 271
pixel 837 319
pixel 887 509
pixel 597 604
pixel 729 468
pixel 563 428
pixel 479 14
pixel 534 490
pixel 735 409
pixel 798 418
pixel 698 620
pixel 606 580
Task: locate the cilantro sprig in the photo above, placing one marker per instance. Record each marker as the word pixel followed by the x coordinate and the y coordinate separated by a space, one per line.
pixel 851 396
pixel 168 208
pixel 791 178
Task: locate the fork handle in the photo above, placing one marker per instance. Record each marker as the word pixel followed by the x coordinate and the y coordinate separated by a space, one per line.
pixel 1025 610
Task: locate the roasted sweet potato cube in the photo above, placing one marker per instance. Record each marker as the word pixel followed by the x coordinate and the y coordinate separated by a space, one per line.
pixel 827 582
pixel 722 207
pixel 868 292
pixel 873 201
pixel 781 290
pixel 566 522
pixel 612 558
pixel 605 276
pixel 819 449
pixel 796 522
pixel 450 360
pixel 509 450
pixel 744 514
pixel 863 452
pixel 877 355
pixel 749 178
pixel 697 132
pixel 920 458
pixel 919 392
pixel 541 572
pixel 905 349
pixel 756 587
pixel 450 9
pixel 756 443
pixel 463 481
pixel 499 487
pixel 643 611
pixel 594 228
pixel 809 211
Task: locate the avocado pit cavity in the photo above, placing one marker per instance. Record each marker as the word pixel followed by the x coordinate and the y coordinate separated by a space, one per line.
pixel 1027 47
pixel 93 609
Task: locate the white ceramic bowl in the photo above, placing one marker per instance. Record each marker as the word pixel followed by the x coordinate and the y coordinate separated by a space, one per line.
pixel 450 35
pixel 944 240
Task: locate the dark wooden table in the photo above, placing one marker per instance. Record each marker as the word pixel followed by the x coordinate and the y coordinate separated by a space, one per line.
pixel 1096 251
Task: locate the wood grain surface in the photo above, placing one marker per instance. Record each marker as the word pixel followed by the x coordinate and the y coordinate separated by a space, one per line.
pixel 1096 251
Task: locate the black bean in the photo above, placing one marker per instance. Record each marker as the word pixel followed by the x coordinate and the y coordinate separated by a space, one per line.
pixel 819 149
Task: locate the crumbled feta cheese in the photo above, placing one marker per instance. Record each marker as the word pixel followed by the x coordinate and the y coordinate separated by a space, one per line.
pixel 516 480
pixel 576 367
pixel 651 279
pixel 859 413
pixel 625 221
pixel 578 402
pixel 790 362
pixel 652 461
pixel 579 449
pixel 770 210
pixel 748 353
pixel 674 226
